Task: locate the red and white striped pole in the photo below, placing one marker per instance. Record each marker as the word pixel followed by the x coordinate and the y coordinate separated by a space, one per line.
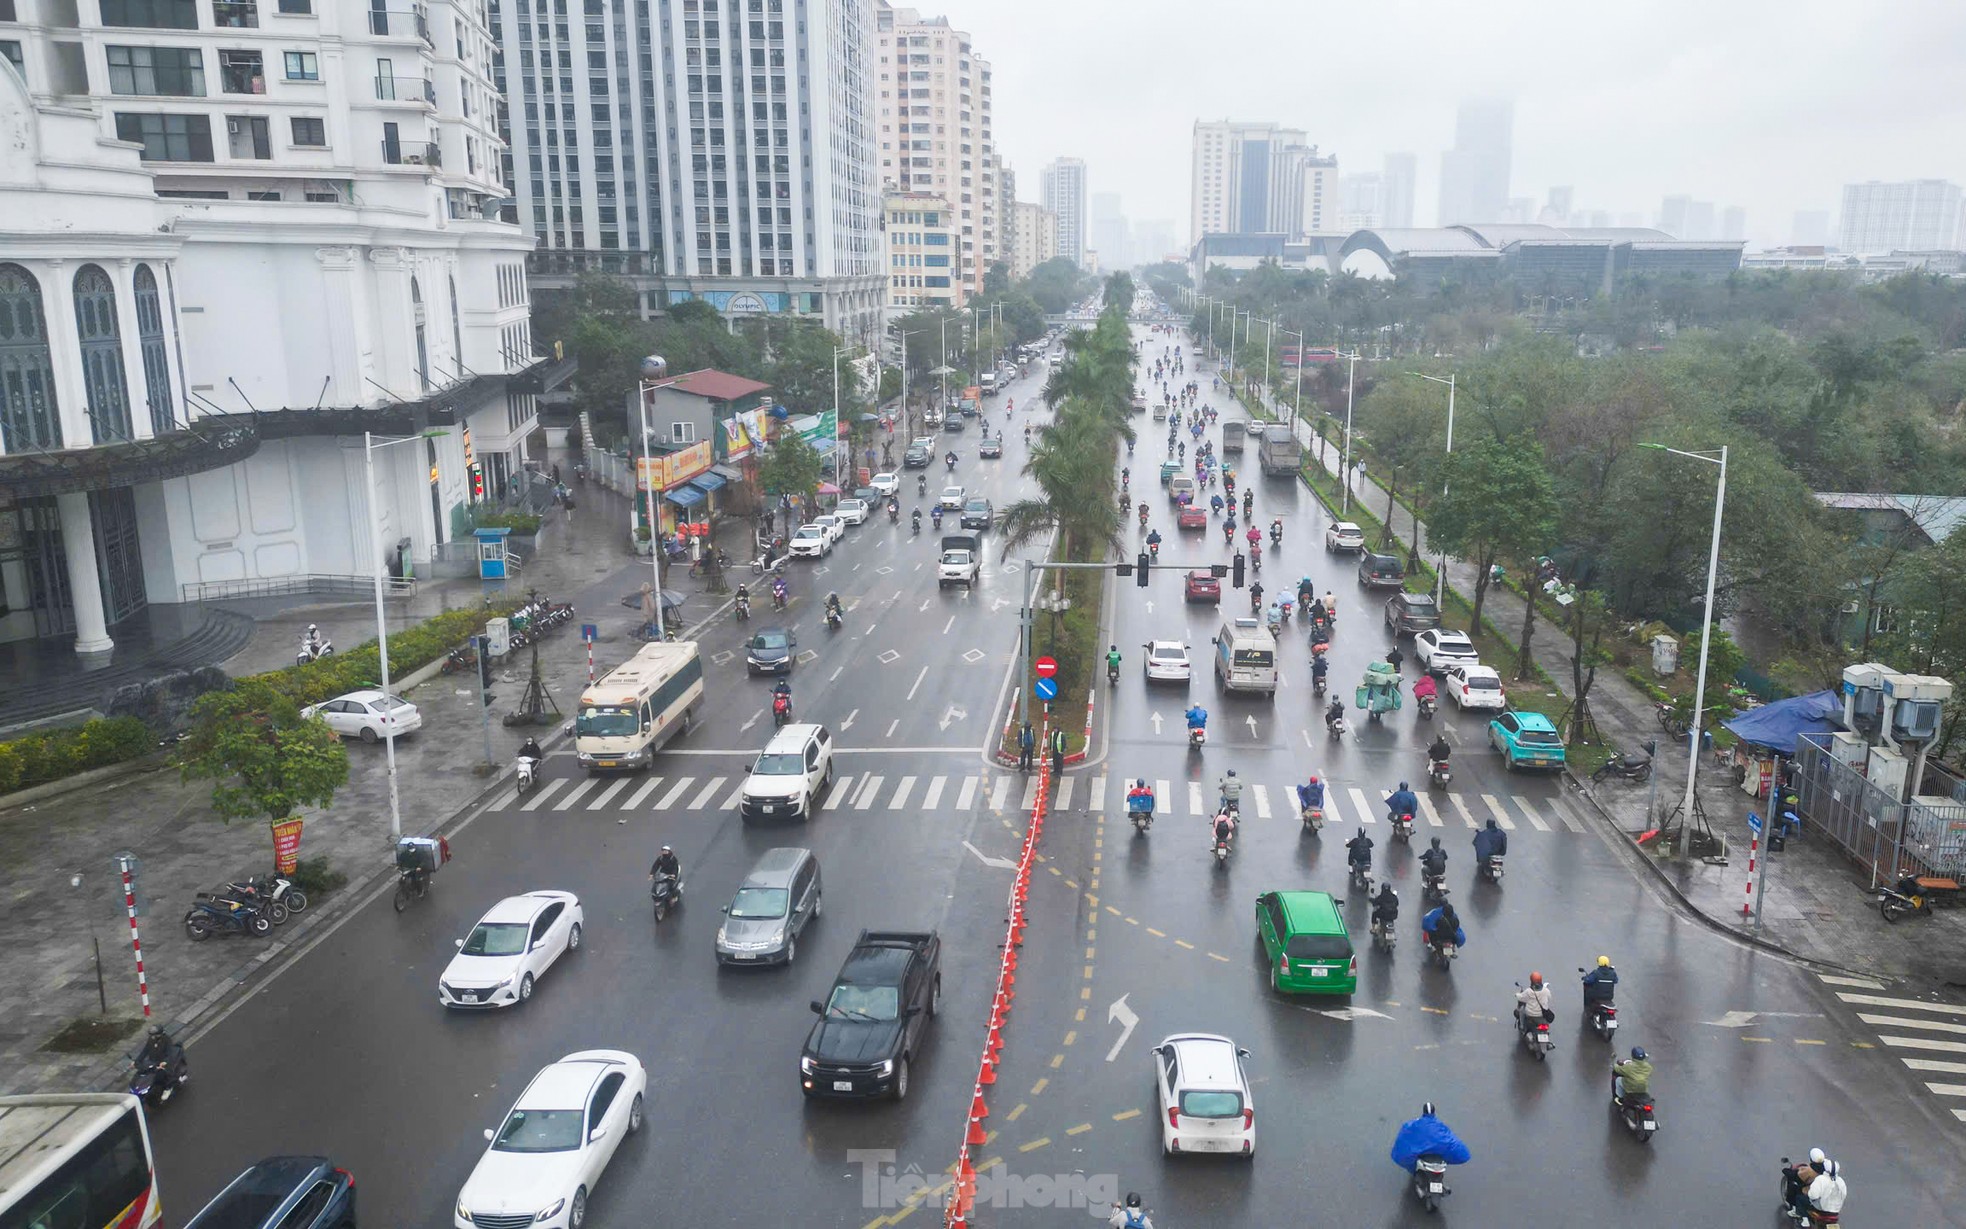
pixel 1754 850
pixel 136 940
pixel 590 661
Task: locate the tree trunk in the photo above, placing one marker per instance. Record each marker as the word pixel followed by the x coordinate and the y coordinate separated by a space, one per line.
pixel 1484 562
pixel 1524 667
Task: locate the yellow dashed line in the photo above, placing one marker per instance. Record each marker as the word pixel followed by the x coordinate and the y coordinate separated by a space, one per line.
pixel 1080 1129
pixel 1809 1041
pixel 1080 1016
pixel 1034 1145
pixel 1085 994
pixel 1012 1115
pixel 1088 972
pixel 1094 883
pixel 1158 934
pixel 1114 912
pixel 1863 1045
pixel 1070 884
pixel 1088 953
pixel 1216 956
pixel 1071 1036
pixel 1091 933
pixel 1040 1085
pixel 875 1223
pixel 1123 1115
pixel 1761 1039
pixel 1054 870
pixel 1184 943
pixel 1098 842
pixel 1057 1061
pixel 1439 1011
pixel 1091 901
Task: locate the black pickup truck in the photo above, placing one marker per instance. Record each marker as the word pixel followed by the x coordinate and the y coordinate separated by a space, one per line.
pixel 873 1022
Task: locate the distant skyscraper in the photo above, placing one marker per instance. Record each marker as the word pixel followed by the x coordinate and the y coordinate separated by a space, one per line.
pixel 1258 178
pixel 1397 201
pixel 1734 223
pixel 1919 215
pixel 1064 193
pixel 1034 238
pixel 1672 215
pixel 1153 241
pixel 1809 228
pixel 1699 221
pixel 1556 211
pixel 1110 235
pixel 1362 201
pixel 1474 175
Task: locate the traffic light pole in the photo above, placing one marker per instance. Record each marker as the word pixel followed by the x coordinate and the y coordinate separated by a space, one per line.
pixel 1027 620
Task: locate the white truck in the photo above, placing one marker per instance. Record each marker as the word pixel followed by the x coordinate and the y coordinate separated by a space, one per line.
pixel 961 562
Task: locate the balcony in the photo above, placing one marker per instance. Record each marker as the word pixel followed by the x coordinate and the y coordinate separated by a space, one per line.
pixel 235 14
pixel 412 153
pixel 400 23
pixel 406 89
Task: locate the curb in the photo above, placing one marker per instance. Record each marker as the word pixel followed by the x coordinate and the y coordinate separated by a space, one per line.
pixel 81 780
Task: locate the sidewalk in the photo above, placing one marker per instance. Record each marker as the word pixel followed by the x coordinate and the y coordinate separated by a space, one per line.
pixel 1816 907
pixel 50 927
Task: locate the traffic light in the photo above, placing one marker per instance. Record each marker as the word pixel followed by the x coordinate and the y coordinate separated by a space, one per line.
pixel 477 482
pixel 484 668
pixel 1238 570
pixel 1140 569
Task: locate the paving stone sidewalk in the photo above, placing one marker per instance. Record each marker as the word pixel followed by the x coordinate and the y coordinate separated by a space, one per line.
pixel 51 928
pixel 1817 905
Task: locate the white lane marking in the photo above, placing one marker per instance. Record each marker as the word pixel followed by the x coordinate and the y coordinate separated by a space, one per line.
pixel 1935 1026
pixel 669 799
pixel 1462 807
pixel 934 794
pixel 1427 809
pixel 1923 1043
pixel 918 683
pixel 1030 798
pixel 1861 983
pixel 1501 816
pixel 966 796
pixel 840 786
pixel 545 791
pixel 1261 795
pixel 901 792
pixel 709 791
pixel 1163 798
pixel 1561 809
pixel 946 626
pixel 601 799
pixel 1872 1000
pixel 736 796
pixel 1096 795
pixel 635 799
pixel 1535 820
pixel 573 795
pixel 1063 800
pixel 1947 1090
pixel 1000 794
pixel 837 671
pixel 1933 1064
pixel 1364 807
pixel 892 726
pixel 870 785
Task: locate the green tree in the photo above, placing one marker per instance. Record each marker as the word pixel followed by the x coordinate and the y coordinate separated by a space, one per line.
pixel 1119 292
pixel 1056 284
pixel 802 369
pixel 791 466
pixel 264 759
pixel 1500 504
pixel 996 279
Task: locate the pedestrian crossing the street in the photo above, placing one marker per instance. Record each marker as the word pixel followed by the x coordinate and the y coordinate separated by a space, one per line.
pixel 1005 792
pixel 1929 1038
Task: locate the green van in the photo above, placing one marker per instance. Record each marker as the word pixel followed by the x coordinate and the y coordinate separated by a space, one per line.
pixel 1305 941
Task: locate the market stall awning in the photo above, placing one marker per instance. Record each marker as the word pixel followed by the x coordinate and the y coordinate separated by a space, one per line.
pixel 1776 726
pixel 727 473
pixel 684 496
pixel 707 482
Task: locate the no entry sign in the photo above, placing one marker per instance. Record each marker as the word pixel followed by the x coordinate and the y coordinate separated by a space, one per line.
pixel 1045 667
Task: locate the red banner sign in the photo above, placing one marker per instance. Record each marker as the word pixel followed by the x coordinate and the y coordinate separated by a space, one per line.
pixel 286 846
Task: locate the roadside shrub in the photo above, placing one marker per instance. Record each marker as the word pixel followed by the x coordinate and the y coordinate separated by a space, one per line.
pixel 41 758
pixel 521 523
pixel 361 666
pixel 317 877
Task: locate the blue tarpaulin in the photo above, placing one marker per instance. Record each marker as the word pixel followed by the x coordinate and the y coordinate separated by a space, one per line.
pixel 1776 725
pixel 1428 1136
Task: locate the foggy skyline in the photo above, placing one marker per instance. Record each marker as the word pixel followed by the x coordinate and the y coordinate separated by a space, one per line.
pixel 1771 109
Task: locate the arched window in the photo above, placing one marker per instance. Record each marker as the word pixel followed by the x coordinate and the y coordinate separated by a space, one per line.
pixel 457 332
pixel 422 349
pixel 29 415
pixel 102 355
pixel 156 367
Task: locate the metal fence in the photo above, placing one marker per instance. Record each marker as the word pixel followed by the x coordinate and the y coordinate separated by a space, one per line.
pixel 1887 837
pixel 288 586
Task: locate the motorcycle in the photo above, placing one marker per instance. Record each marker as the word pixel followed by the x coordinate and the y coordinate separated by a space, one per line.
pixel 212 915
pixel 1445 954
pixel 951 462
pixel 915 524
pixel 526 773
pixel 1895 902
pixel 667 894
pixel 1361 876
pixel 781 708
pixel 1439 773
pixel 154 1083
pixel 463 657
pixel 1634 768
pixel 1402 827
pixel 258 893
pixel 833 619
pixel 768 563
pixel 1113 673
pixel 1535 1037
pixel 1430 1182
pixel 778 593
pixel 1335 727
pixel 1312 818
pixel 1433 888
pixel 1222 844
pixel 314 650
pixel 1276 533
pixel 1491 870
pixel 1383 936
pixel 743 609
pixel 1637 1114
pixel 1287 608
pixel 1153 550
pixel 1427 707
pixel 1141 812
pixel 1143 516
pixel 1197 736
pixel 1317 683
pixel 894 514
pixel 1603 1016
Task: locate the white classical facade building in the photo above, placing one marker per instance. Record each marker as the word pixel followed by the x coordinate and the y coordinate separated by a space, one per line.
pixel 234 236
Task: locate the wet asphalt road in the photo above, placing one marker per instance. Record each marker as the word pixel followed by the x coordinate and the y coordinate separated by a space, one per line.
pixel 347 1052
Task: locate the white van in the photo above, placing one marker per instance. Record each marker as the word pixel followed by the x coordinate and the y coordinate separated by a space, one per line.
pixel 1246 657
pixel 627 716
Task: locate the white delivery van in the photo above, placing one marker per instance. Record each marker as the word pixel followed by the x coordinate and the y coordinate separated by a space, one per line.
pixel 627 716
pixel 1246 657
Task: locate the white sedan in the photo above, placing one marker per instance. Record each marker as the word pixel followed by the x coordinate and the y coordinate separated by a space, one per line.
pixel 1472 685
pixel 1437 648
pixel 369 715
pixel 549 1152
pixel 1167 662
pixel 887 483
pixel 851 511
pixel 811 541
pixel 835 527
pixel 510 948
pixel 953 498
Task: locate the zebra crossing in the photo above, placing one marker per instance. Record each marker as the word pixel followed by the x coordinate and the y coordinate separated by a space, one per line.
pixel 1928 1038
pixel 1003 792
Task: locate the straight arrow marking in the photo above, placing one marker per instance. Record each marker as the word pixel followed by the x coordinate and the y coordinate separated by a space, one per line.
pixel 1120 1012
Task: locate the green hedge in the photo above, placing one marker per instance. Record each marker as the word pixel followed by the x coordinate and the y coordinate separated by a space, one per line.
pixel 361 666
pixel 41 758
pixel 521 523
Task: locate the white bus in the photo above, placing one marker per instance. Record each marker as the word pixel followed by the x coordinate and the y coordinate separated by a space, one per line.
pixel 76 1161
pixel 627 716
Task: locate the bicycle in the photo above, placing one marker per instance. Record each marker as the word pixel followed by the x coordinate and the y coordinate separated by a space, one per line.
pixel 411 885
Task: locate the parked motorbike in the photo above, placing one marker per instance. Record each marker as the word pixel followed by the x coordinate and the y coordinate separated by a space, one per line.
pixel 463 657
pixel 1534 1035
pixel 258 893
pixel 1895 901
pixel 666 894
pixel 1430 1182
pixel 1634 768
pixel 210 915
pixel 1637 1114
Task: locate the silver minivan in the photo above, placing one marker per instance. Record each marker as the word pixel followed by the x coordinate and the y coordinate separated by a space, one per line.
pixel 772 905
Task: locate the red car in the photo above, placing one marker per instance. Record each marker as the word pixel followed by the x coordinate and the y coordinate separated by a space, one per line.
pixel 1203 587
pixel 1193 518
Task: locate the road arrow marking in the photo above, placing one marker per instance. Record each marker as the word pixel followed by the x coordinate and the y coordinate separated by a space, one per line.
pixel 924 605
pixel 754 720
pixel 1251 719
pixel 1002 864
pixel 1127 1020
pixel 848 723
pixel 1156 720
pixel 954 714
pixel 998 603
pixel 1355 1013
pixel 1150 607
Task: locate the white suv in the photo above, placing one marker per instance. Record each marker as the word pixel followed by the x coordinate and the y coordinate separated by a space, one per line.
pixel 789 774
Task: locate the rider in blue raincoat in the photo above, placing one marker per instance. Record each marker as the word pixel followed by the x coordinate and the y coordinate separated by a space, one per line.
pixel 1197 717
pixel 1427 1135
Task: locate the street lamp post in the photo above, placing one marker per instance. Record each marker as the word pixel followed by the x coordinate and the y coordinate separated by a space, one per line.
pixel 1297 398
pixel 1269 335
pixel 1689 806
pixel 369 445
pixel 654 367
pixel 837 352
pixel 1345 460
pixel 1440 577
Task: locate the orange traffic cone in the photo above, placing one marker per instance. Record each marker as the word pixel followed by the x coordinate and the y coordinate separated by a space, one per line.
pixel 988 1074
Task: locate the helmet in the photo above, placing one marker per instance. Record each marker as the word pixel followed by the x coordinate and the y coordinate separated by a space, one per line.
pixel 1313 778
pixel 666 849
pixel 156 1030
pixel 1232 772
pixel 1426 1109
pixel 1402 785
pixel 1141 782
pixel 1536 983
pixel 1436 842
pixel 1604 962
pixel 312 628
pixel 1816 1157
pixel 1638 1052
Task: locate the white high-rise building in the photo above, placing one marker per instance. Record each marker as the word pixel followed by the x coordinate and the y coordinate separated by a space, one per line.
pixel 1919 215
pixel 1317 178
pixel 1361 201
pixel 1063 192
pixel 1034 238
pixel 1474 175
pixel 932 112
pixel 920 234
pixel 1258 178
pixel 702 152
pixel 233 237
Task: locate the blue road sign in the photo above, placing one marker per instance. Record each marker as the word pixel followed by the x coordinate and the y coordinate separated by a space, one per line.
pixel 1045 689
pixel 587 631
pixel 1754 822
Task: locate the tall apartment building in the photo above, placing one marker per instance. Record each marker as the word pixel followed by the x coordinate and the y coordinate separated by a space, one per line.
pixel 1919 215
pixel 932 113
pixel 921 238
pixel 1006 212
pixel 234 235
pixel 1474 175
pixel 1258 178
pixel 1063 191
pixel 1034 238
pixel 1400 171
pixel 717 150
pixel 1317 178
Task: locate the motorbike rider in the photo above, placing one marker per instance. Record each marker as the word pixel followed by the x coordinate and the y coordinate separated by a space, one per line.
pixel 744 595
pixel 1231 790
pixel 915 520
pixel 1401 802
pixel 1818 1191
pixel 1334 714
pixel 1490 843
pixel 1600 985
pixel 1443 926
pixel 1215 503
pixel 1632 1078
pixel 1112 657
pixel 1197 717
pixel 666 865
pixel 1319 668
pixel 1306 595
pixel 1385 906
pixel 833 610
pixel 1153 542
pixel 1433 860
pixel 1330 606
pixel 529 750
pixel 162 1053
pixel 1255 596
pixel 921 484
pixel 1358 852
pixel 780 591
pixel 1533 1004
pixel 782 690
pixel 1224 827
pixel 1310 795
pixel 1395 658
pixel 311 642
pixel 1437 750
pixel 950 460
pixel 1129 1215
pixel 1424 688
pixel 1137 793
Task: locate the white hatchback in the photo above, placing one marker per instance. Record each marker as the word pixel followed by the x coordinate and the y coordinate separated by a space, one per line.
pixel 851 511
pixel 547 1155
pixel 886 483
pixel 1205 1102
pixel 510 948
pixel 1167 662
pixel 1473 685
pixel 369 715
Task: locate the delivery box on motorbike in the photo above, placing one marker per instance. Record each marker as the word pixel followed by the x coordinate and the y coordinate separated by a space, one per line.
pixel 416 853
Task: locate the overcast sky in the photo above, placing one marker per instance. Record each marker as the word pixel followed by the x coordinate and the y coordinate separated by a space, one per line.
pixel 1769 106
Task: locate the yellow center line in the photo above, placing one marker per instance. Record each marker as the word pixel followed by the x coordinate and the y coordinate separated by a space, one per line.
pixel 1158 934
pixel 1080 1016
pixel 1054 870
pixel 1071 1036
pixel 1015 1111
pixel 1114 912
pixel 1085 994
pixel 1439 1011
pixel 1809 1041
pixel 1863 1045
pixel 1040 1085
pixel 1123 1115
pixel 875 1223
pixel 1088 953
pixel 1761 1039
pixel 1094 883
pixel 1080 1129
pixel 1057 1061
pixel 1218 956
pixel 1091 933
pixel 1035 1144
pixel 1133 921
pixel 1184 943
pixel 1088 972
pixel 1071 884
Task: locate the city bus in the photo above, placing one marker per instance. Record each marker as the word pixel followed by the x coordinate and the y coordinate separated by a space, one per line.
pixel 624 718
pixel 76 1161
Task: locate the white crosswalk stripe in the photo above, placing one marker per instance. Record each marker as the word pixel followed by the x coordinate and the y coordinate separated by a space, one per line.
pixel 601 799
pixel 1427 810
pixel 546 790
pixel 704 795
pixel 1194 798
pixel 675 791
pixel 1562 811
pixel 1467 816
pixel 1000 793
pixel 1096 796
pixel 901 792
pixel 1063 800
pixel 1163 799
pixel 966 796
pixel 1920 1026
pixel 870 785
pixel 1872 1000
pixel 1933 1064
pixel 731 799
pixel 1862 983
pixel 934 794
pixel 1936 1026
pixel 647 788
pixel 1030 793
pixel 1535 820
pixel 1364 808
pixel 1494 805
pixel 1261 796
pixel 841 784
pixel 573 795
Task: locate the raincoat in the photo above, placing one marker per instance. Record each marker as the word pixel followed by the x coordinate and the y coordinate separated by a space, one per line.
pixel 1427 1135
